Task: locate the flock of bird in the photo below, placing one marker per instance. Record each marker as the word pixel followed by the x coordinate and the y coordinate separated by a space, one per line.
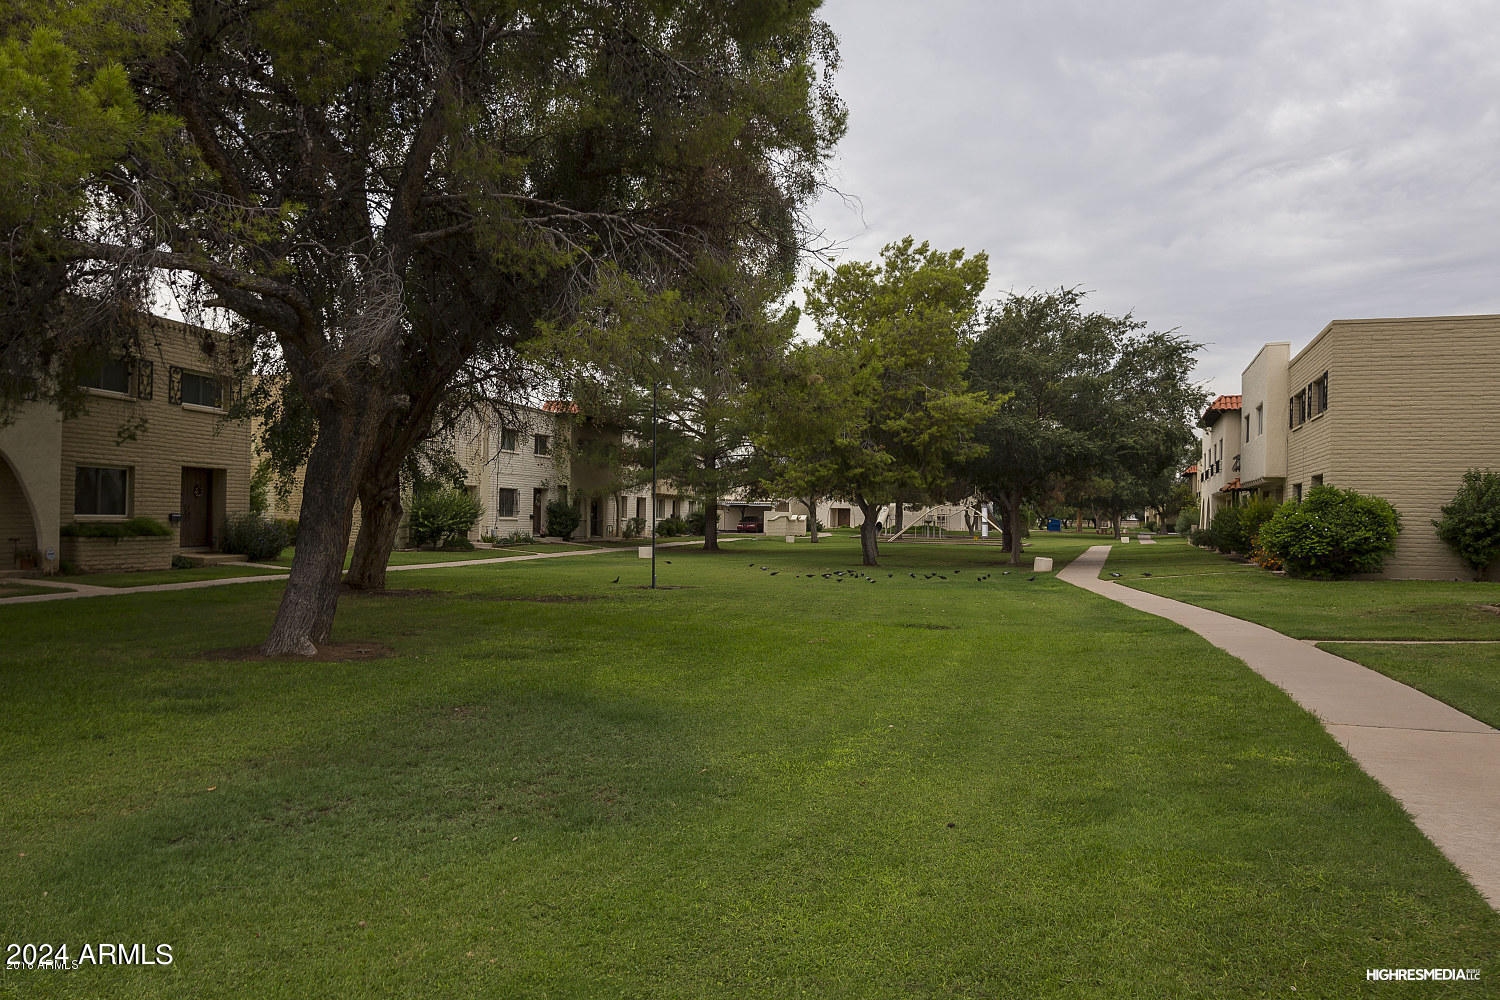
pixel 841 575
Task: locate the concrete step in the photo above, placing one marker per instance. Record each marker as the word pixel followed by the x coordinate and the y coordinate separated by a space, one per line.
pixel 212 558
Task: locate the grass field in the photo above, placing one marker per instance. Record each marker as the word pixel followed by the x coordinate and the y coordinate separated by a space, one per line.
pixel 1311 609
pixel 1465 676
pixel 750 785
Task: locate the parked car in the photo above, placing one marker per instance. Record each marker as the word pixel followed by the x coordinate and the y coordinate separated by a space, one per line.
pixel 751 524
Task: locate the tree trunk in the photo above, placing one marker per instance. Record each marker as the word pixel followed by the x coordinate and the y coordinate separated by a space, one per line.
pixel 1013 528
pixel 305 616
pixel 711 525
pixel 869 537
pixel 1115 516
pixel 380 492
pixel 900 516
pixel 812 516
pixel 380 520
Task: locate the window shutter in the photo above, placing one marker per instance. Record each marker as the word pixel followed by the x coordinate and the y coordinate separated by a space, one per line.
pixel 145 379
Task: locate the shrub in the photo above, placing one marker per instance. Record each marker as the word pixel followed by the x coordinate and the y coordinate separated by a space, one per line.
pixel 695 522
pixel 1264 559
pixel 562 519
pixel 289 525
pixel 669 527
pixel 634 527
pixel 1331 534
pixel 260 487
pixel 458 543
pixel 1470 525
pixel 440 515
pixel 1228 530
pixel 254 535
pixel 1187 520
pixel 517 538
pixel 180 561
pixel 1202 537
pixel 136 527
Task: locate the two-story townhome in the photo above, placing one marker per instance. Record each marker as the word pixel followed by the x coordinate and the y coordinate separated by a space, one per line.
pixel 1391 407
pixel 154 441
pixel 1219 464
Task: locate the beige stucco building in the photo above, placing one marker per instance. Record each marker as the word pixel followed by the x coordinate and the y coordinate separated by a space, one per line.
pixel 1398 408
pixel 154 441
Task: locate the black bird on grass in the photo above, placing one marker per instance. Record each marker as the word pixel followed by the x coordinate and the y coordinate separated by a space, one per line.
pixel 774 572
pixel 615 580
pixel 1030 578
pixel 1145 574
pixel 1114 574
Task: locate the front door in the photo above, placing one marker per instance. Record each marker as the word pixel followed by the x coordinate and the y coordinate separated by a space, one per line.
pixel 197 508
pixel 538 508
pixel 596 518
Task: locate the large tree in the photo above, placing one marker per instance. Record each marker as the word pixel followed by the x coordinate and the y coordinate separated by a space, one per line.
pixel 1094 406
pixel 388 190
pixel 897 334
pixel 677 371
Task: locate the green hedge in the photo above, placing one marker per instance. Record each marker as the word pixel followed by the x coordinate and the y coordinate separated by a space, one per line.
pixel 443 516
pixel 136 527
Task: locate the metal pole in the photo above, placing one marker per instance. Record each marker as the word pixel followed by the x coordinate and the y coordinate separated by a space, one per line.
pixel 653 485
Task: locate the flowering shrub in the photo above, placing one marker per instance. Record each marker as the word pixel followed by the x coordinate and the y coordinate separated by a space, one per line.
pixel 1333 533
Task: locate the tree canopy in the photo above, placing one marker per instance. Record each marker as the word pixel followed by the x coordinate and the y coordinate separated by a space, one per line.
pixel 890 369
pixel 389 190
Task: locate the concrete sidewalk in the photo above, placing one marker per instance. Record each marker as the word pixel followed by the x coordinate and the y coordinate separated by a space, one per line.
pixel 1440 764
pixel 67 591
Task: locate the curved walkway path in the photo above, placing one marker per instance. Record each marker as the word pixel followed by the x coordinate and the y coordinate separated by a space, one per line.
pixel 1441 765
pixel 72 591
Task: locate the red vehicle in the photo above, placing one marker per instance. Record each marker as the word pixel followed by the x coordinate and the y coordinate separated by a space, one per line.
pixel 751 524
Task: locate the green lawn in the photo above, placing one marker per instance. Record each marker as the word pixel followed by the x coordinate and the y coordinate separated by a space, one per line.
pixel 1311 609
pixel 752 785
pixel 147 578
pixel 418 557
pixel 20 588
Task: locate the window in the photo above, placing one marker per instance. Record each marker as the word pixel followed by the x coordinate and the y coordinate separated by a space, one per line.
pixel 1247 429
pixel 660 508
pixel 541 444
pixel 506 501
pixel 1299 409
pixel 640 508
pixel 510 439
pixel 200 390
pixel 1317 481
pixel 1297 492
pixel 112 375
pixel 1317 396
pixel 101 491
pixel 1260 420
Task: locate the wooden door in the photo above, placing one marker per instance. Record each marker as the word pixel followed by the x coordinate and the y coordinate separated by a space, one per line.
pixel 197 508
pixel 538 508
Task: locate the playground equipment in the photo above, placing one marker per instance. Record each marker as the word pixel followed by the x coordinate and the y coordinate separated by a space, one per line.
pixel 935 522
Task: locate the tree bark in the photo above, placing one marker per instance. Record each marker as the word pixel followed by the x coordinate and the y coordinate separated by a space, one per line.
pixel 711 525
pixel 900 516
pixel 305 617
pixel 1013 528
pixel 869 536
pixel 380 521
pixel 811 502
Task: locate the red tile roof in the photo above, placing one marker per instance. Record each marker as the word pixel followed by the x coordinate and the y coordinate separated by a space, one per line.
pixel 1224 404
pixel 559 406
pixel 1231 486
pixel 1191 470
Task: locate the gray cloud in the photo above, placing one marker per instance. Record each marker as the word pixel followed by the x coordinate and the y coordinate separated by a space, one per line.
pixel 1245 172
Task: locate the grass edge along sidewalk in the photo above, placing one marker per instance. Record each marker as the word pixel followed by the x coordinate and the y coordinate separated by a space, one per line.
pixel 1443 766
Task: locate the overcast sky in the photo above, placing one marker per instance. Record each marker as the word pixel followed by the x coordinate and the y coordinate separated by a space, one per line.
pixel 1244 171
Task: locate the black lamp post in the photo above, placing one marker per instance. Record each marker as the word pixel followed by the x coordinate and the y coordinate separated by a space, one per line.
pixel 653 485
